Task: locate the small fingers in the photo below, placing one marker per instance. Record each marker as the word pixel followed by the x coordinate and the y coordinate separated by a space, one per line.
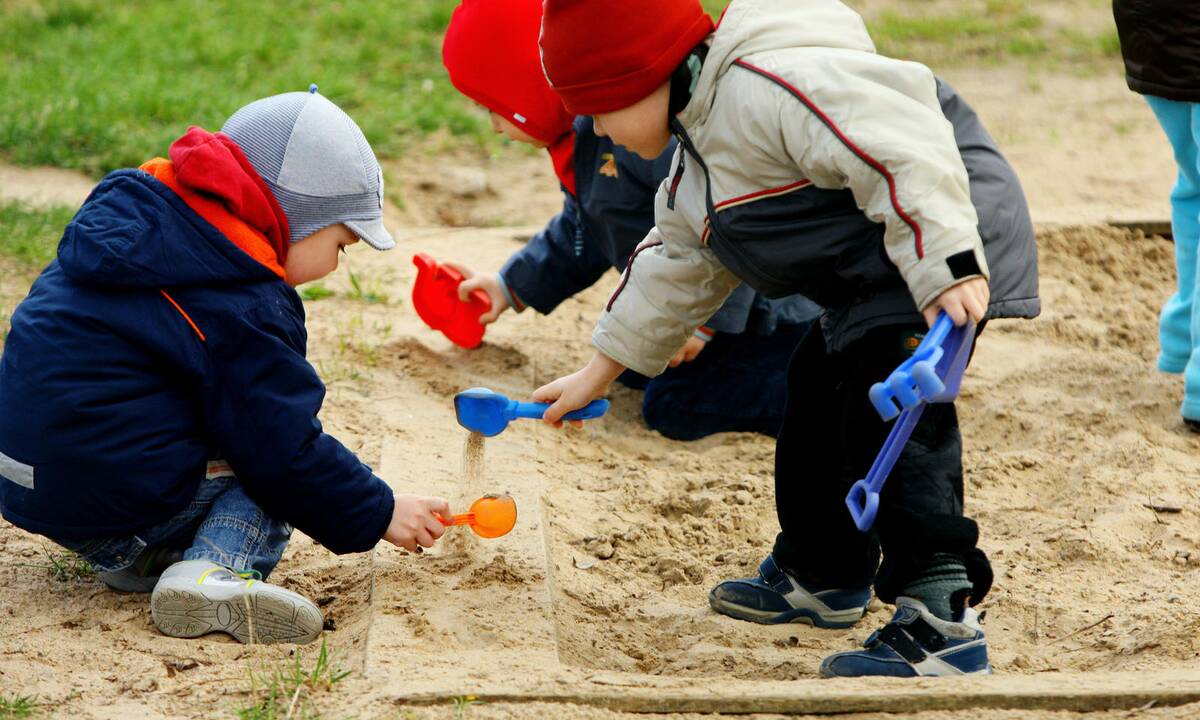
pixel 424 539
pixel 554 413
pixel 931 314
pixel 547 393
pixel 438 505
pixel 957 312
pixel 466 287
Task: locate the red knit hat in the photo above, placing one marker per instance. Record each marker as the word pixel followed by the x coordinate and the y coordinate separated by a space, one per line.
pixel 491 53
pixel 605 55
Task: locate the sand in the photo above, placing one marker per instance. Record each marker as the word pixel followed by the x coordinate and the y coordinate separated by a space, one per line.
pixel 1072 439
pixel 1078 470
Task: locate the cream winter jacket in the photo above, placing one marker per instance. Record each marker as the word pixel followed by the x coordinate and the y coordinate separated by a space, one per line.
pixel 793 99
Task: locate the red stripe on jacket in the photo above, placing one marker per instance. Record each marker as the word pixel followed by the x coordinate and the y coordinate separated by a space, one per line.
pixel 850 145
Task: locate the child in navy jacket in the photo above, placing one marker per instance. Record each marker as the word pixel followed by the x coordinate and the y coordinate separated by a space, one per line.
pixel 157 413
pixel 731 375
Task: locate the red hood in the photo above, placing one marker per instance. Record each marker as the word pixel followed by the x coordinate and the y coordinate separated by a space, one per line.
pixel 213 165
pixel 491 53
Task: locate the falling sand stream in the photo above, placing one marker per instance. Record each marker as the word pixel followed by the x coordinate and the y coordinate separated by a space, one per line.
pixel 462 541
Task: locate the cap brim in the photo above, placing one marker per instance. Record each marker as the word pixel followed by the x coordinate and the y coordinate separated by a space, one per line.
pixel 372 233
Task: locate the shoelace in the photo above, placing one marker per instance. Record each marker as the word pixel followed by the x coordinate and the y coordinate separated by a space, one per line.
pixel 250 576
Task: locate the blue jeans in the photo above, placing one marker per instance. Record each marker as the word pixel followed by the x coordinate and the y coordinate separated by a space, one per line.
pixel 1179 325
pixel 221 524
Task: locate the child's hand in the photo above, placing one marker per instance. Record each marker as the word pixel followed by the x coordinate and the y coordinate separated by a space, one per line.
pixel 489 283
pixel 578 389
pixel 967 299
pixel 689 352
pixel 414 523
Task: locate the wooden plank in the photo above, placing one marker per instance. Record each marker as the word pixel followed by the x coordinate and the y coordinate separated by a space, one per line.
pixel 1160 228
pixel 1042 692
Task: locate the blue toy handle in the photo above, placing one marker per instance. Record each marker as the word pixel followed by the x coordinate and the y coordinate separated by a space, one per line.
pixel 932 374
pixel 863 498
pixel 591 411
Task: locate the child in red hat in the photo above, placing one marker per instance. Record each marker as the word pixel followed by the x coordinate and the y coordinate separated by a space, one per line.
pixel 731 374
pixel 810 164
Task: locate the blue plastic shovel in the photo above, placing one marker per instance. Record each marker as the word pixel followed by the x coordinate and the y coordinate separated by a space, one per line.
pixel 933 374
pixel 488 413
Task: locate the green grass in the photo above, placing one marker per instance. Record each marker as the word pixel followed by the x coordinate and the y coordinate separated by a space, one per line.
pixel 14 707
pixel 291 691
pixel 995 31
pixel 30 235
pixel 97 85
pixel 62 565
pixel 463 704
pixel 316 291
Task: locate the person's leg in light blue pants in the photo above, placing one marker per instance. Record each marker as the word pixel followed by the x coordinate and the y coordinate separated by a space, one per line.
pixel 1179 327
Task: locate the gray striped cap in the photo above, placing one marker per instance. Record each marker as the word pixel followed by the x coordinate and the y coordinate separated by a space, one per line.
pixel 316 161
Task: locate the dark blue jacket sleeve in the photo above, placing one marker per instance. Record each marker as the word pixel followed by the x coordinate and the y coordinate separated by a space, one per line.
pixel 734 315
pixel 262 402
pixel 557 263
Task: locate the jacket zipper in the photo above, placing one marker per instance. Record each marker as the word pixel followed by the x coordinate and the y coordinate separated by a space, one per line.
pixel 675 182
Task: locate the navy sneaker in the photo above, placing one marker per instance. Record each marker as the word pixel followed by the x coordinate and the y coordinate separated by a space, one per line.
pixel 774 597
pixel 916 643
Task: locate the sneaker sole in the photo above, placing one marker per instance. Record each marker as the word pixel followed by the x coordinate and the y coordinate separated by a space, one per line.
pixel 268 615
pixel 833 620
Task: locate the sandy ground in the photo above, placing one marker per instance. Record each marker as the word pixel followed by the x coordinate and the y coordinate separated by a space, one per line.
pixel 1070 436
pixel 595 606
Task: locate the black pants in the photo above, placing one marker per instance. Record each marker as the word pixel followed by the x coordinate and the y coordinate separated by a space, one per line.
pixel 829 438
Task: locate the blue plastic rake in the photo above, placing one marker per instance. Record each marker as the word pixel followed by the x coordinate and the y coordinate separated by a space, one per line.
pixel 932 375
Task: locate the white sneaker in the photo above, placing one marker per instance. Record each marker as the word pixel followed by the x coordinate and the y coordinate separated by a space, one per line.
pixel 196 597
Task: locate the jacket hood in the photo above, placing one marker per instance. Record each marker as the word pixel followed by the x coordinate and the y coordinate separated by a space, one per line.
pixel 749 27
pixel 135 232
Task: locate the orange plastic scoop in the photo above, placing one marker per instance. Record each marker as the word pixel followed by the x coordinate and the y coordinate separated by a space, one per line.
pixel 490 516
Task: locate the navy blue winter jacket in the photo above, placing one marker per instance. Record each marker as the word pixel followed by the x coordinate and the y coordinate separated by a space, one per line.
pixel 111 403
pixel 600 226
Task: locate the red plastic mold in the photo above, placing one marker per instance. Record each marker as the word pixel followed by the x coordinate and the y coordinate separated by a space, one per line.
pixel 435 297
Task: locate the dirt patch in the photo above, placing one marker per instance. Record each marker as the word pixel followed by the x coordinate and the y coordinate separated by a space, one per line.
pixel 43 186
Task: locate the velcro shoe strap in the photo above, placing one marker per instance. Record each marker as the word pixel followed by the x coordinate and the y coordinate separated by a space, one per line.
pixel 926 635
pixel 774 577
pixel 894 637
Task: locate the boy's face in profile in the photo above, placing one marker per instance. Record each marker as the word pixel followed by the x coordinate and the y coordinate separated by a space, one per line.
pixel 641 127
pixel 315 256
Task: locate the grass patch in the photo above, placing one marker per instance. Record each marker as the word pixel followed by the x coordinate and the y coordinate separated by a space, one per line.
pixel 463 704
pixel 365 291
pixel 316 291
pixel 62 565
pixel 992 31
pixel 15 707
pixel 98 85
pixel 1000 30
pixel 30 235
pixel 291 691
